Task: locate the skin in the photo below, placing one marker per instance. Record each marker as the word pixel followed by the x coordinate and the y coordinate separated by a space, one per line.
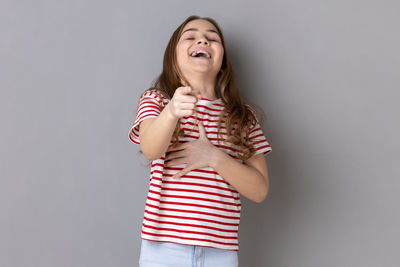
pixel 200 72
pixel 249 178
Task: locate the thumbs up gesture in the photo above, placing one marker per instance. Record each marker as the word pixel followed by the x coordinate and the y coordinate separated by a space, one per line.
pixel 195 154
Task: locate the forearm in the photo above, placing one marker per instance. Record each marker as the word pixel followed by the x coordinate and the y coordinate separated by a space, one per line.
pixel 156 138
pixel 247 180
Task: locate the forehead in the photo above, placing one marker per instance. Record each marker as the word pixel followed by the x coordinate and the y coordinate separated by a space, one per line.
pixel 200 25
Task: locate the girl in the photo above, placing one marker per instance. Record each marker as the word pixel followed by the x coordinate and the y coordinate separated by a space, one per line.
pixel 206 146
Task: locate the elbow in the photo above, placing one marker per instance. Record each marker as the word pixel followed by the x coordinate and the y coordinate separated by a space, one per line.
pixel 150 156
pixel 262 195
pixel 261 198
pixel 147 154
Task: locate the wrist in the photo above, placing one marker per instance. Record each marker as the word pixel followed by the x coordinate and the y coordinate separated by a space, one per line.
pixel 169 113
pixel 217 156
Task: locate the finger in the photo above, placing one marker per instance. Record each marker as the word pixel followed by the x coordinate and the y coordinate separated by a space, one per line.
pixel 174 162
pixel 182 172
pixel 185 90
pixel 174 147
pixel 196 94
pixel 202 130
pixel 189 98
pixel 187 106
pixel 170 148
pixel 175 154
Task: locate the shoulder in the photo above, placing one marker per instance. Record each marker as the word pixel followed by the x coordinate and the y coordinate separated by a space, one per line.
pixel 156 94
pixel 152 92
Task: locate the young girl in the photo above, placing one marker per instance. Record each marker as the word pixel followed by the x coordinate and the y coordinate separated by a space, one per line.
pixel 206 149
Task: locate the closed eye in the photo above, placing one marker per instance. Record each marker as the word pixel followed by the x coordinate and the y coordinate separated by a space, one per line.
pixel 193 38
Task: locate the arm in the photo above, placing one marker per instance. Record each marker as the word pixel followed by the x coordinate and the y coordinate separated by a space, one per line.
pixel 250 179
pixel 155 134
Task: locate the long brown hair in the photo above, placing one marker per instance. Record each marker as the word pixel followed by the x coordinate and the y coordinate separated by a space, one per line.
pixel 239 116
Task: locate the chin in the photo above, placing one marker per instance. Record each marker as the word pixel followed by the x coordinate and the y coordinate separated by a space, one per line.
pixel 204 72
pixel 199 68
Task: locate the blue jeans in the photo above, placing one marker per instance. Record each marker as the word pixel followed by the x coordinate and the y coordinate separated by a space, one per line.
pixel 165 254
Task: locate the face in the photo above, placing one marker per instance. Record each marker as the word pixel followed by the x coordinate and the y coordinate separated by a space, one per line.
pixel 199 35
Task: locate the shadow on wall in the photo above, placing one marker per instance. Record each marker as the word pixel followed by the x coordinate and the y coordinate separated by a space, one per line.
pixel 260 223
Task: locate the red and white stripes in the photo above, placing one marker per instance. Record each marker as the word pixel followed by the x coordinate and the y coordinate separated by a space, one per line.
pixel 200 208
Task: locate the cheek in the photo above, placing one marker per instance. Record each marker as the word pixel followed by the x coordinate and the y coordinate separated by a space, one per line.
pixel 180 60
pixel 181 49
pixel 220 55
pixel 220 51
pixel 178 54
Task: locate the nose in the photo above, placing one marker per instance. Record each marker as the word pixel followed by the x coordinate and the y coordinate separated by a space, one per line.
pixel 203 40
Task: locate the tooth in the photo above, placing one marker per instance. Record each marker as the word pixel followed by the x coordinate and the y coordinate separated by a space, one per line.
pixel 195 53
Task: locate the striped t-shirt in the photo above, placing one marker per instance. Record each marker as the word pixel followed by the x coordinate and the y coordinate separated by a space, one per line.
pixel 200 208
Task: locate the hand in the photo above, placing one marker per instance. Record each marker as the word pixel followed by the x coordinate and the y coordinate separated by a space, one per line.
pixel 183 102
pixel 195 154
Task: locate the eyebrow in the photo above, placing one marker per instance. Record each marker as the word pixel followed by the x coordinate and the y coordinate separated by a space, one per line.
pixel 195 29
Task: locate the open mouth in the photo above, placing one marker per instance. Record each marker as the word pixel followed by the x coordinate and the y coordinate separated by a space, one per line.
pixel 201 54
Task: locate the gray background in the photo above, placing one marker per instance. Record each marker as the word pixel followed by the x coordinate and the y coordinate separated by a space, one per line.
pixel 326 73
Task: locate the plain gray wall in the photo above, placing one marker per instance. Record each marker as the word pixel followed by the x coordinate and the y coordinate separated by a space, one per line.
pixel 326 73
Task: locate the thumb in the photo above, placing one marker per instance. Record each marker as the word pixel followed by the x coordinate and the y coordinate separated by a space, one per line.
pixel 202 130
pixel 187 90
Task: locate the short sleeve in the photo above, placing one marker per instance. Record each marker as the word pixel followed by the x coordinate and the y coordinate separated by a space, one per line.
pixel 150 106
pixel 257 138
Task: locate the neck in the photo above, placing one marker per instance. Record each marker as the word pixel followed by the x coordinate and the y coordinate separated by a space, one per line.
pixel 203 84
